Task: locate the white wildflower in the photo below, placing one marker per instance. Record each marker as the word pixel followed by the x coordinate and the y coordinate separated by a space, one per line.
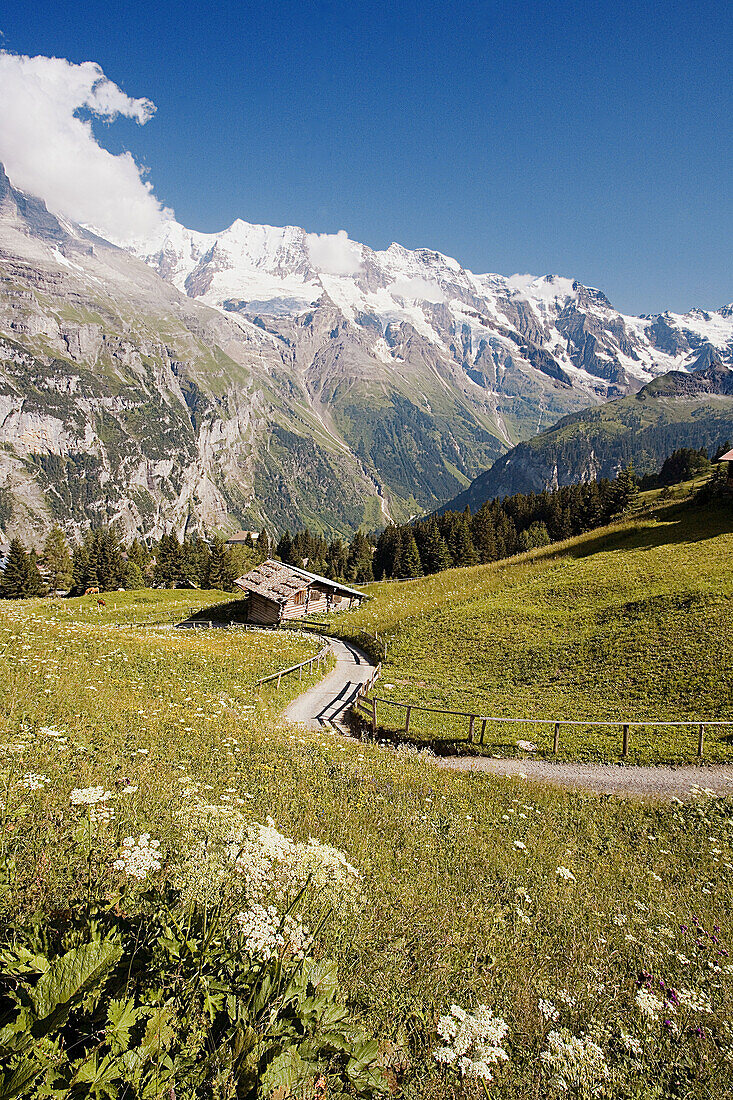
pixel 129 788
pixel 566 873
pixel 101 815
pixel 139 857
pixel 520 846
pixel 472 1041
pixel 696 1001
pixel 548 1010
pixel 648 1004
pixel 631 1044
pixel 574 1062
pixel 89 796
pixel 33 781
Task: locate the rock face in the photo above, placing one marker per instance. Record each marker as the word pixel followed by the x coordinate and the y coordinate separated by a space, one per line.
pixel 679 409
pixel 268 376
pixel 121 400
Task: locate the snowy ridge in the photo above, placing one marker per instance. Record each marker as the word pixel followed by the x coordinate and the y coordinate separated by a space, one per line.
pixel 478 322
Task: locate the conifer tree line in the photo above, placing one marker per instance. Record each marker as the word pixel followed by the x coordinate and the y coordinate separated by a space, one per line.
pixel 102 561
pixel 501 528
pixel 335 559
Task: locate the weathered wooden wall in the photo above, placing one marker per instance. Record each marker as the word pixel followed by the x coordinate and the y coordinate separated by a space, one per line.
pixel 263 611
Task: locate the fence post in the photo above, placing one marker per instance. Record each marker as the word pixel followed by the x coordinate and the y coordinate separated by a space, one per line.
pixel 556 738
pixel 470 727
pixel 407 719
pixel 278 679
pixel 300 672
pixel 700 740
pixel 625 743
pixel 374 716
pixel 483 730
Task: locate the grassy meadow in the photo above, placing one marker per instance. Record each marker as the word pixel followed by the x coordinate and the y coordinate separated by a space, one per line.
pixel 596 930
pixel 629 623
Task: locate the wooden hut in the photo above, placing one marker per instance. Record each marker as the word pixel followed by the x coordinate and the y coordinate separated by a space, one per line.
pixel 276 592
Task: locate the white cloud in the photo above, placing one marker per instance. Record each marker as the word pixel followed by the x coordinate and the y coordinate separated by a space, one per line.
pixel 334 253
pixel 49 151
pixel 418 289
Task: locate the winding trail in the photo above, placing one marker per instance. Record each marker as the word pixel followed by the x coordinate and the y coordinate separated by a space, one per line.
pixel 324 705
pixel 629 780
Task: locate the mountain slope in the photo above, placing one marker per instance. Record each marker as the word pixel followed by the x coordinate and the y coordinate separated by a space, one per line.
pixel 675 410
pixel 272 376
pixel 123 400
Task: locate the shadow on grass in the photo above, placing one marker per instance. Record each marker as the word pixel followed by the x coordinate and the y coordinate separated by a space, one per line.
pixel 222 614
pixel 677 523
pixel 361 728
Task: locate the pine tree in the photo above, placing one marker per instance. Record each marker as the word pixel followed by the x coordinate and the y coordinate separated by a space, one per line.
pixel 168 561
pixel 222 571
pixel 626 490
pixel 409 562
pixel 383 561
pixel 57 560
pixel 83 574
pixel 337 556
pixel 263 544
pixel 484 534
pixel 463 550
pixel 36 586
pixel 110 565
pixel 284 549
pixel 139 555
pixel 434 553
pixel 359 563
pixel 15 582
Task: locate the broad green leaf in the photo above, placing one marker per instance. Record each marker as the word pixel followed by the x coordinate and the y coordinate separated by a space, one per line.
pixel 68 979
pixel 20 1080
pixel 286 1071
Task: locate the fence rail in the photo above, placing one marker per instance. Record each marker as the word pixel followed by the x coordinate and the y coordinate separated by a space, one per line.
pixel 368 707
pixel 319 657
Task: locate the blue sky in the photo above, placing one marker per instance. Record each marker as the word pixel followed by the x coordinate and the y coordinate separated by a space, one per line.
pixel 590 139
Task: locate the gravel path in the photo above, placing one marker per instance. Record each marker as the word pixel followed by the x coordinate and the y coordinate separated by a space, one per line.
pixel 325 703
pixel 632 780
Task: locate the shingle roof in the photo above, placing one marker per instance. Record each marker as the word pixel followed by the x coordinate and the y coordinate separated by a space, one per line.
pixel 727 457
pixel 276 581
pixel 273 580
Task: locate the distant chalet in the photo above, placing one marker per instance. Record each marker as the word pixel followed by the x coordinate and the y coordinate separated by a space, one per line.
pixel 240 538
pixel 276 592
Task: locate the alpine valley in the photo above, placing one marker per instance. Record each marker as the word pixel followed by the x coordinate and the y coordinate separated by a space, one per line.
pixel 261 376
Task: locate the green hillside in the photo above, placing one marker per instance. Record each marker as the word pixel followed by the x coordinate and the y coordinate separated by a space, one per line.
pixel 587 925
pixel 630 623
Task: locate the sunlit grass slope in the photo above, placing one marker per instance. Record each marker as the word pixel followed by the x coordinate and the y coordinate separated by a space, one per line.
pixel 630 623
pixel 557 909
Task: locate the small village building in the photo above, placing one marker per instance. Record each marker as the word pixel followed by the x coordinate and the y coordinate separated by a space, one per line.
pixel 276 592
pixel 239 538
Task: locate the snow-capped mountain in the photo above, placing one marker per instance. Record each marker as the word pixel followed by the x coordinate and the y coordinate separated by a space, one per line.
pixel 484 325
pixel 272 376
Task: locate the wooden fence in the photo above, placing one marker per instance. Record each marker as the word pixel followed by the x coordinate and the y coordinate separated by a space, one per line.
pixel 368 708
pixel 318 659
